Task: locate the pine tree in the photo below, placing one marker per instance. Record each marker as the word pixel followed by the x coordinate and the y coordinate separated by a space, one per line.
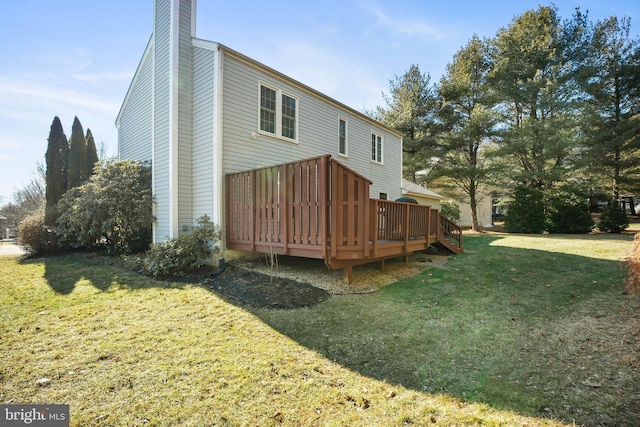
pixel 470 123
pixel 92 154
pixel 412 106
pixel 532 78
pixel 76 174
pixel 56 174
pixel 610 76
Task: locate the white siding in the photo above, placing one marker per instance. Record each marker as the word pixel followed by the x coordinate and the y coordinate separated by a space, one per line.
pixel 202 154
pixel 134 120
pixel 318 130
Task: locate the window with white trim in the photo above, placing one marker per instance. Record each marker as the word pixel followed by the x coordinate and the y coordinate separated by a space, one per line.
pixel 278 113
pixel 342 137
pixel 376 147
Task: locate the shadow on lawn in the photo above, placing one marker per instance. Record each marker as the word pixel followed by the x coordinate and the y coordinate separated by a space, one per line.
pixel 63 273
pixel 541 333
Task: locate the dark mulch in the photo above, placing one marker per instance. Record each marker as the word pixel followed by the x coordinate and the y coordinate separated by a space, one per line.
pixel 254 289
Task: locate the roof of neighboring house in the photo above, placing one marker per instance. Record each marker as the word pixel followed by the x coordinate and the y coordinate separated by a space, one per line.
pixel 413 188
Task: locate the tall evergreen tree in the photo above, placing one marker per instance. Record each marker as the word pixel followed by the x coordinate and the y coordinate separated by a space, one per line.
pixel 610 76
pixel 92 154
pixel 56 173
pixel 532 77
pixel 470 122
pixel 77 172
pixel 412 107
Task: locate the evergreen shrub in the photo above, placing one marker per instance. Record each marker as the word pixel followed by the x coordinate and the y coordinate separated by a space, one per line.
pixel 569 214
pixel 526 212
pixel 183 253
pixel 613 219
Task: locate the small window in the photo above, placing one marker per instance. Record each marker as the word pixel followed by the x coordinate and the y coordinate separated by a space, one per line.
pixel 342 137
pixel 376 148
pixel 383 196
pixel 278 113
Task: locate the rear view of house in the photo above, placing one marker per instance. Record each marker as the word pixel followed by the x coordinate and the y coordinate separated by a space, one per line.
pixel 200 111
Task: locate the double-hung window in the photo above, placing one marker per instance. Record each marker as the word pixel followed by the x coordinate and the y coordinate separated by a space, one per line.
pixel 376 147
pixel 342 137
pixel 278 113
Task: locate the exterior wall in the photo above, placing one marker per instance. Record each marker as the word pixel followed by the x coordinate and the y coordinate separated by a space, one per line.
pixel 484 213
pixel 425 200
pixel 203 132
pixel 135 118
pixel 246 148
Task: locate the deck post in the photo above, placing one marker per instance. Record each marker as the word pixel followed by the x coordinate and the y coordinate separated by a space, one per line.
pixel 406 227
pixel 375 223
pixel 348 274
pixel 284 208
pixel 253 229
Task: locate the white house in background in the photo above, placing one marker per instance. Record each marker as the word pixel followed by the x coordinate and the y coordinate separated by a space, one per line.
pixel 483 210
pixel 422 195
pixel 197 110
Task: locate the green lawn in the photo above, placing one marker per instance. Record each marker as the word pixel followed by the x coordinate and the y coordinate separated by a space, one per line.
pixel 520 330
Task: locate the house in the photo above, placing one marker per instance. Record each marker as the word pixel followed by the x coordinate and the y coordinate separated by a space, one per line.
pixel 421 194
pixel 200 112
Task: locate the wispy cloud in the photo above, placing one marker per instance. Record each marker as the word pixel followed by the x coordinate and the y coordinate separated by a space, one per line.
pixel 403 26
pixel 12 89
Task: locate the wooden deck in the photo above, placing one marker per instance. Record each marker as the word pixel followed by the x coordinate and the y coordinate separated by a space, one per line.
pixel 319 208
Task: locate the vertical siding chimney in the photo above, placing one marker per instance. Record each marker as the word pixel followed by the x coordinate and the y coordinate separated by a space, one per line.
pixel 174 27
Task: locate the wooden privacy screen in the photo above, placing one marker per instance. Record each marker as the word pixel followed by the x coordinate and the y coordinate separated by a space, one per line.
pixel 319 208
pixel 280 209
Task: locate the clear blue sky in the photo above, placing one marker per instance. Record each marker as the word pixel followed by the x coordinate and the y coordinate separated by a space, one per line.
pixel 77 57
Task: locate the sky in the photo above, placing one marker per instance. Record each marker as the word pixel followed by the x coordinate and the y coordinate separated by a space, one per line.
pixel 70 58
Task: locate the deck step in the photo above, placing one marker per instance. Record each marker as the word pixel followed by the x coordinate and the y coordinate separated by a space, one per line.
pixel 450 246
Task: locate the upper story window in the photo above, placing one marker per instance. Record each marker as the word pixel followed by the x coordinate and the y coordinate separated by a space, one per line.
pixel 376 147
pixel 342 137
pixel 278 113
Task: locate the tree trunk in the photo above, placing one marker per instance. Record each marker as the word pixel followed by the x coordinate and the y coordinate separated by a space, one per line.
pixel 474 208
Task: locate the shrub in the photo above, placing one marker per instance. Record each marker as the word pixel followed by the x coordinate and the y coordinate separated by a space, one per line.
pixel 613 219
pixel 35 236
pixel 112 210
pixel 569 214
pixel 450 210
pixel 526 212
pixel 183 253
pixel 633 267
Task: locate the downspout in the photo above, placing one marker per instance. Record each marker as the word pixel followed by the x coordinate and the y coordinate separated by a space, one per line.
pixel 222 266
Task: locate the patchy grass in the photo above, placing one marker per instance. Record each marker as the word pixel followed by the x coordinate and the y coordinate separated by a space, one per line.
pixel 520 330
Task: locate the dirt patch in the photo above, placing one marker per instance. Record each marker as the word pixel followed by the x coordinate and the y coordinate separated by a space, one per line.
pixel 300 282
pixel 263 291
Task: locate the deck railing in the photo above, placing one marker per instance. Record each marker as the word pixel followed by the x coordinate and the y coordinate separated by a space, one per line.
pixel 452 231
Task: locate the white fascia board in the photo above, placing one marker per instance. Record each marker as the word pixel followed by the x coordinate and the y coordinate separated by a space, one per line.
pixel 174 43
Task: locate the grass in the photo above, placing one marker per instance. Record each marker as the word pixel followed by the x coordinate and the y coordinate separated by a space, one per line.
pixel 520 330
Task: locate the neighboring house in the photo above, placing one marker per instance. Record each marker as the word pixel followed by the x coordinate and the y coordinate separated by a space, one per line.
pixel 198 110
pixel 421 194
pixel 483 210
